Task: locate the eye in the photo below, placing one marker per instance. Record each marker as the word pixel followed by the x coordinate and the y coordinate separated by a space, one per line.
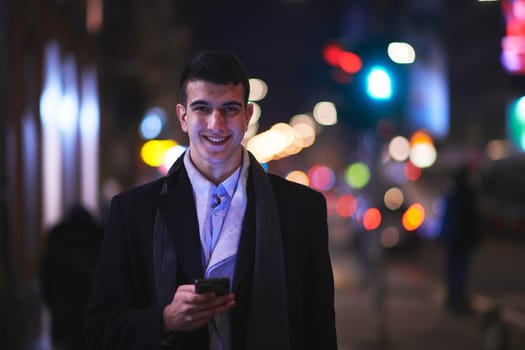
pixel 201 109
pixel 231 109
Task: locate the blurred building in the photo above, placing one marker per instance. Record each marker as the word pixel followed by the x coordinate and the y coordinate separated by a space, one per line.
pixel 51 122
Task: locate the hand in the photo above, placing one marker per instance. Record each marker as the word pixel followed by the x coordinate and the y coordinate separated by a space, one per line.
pixel 189 311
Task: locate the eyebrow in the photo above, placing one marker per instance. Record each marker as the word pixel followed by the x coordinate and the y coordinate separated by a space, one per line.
pixel 225 104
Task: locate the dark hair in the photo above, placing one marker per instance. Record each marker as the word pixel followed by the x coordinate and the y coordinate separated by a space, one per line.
pixel 219 67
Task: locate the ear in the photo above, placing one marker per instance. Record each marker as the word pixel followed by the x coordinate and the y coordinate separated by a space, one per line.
pixel 249 114
pixel 181 115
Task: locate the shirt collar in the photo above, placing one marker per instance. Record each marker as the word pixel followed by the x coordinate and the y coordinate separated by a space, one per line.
pixel 199 182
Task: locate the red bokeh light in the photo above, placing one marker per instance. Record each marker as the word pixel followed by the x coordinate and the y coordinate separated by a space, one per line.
pixel 412 172
pixel 331 53
pixel 346 205
pixel 350 62
pixel 372 219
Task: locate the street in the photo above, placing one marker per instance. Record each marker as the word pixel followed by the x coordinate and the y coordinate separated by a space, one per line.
pixel 403 306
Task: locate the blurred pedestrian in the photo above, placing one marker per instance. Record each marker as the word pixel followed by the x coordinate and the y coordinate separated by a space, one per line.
pixel 460 234
pixel 216 214
pixel 66 275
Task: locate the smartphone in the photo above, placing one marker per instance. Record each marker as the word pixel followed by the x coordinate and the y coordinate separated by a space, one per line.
pixel 220 286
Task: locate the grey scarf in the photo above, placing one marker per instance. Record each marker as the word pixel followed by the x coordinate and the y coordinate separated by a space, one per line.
pixel 267 324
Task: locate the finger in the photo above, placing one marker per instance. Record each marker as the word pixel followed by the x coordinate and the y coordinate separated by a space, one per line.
pixel 210 301
pixel 186 288
pixel 197 319
pixel 213 310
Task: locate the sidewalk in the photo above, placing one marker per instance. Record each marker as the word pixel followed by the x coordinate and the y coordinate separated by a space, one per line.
pixel 407 314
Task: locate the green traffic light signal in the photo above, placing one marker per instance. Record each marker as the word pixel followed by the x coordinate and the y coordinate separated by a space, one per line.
pixel 379 85
pixel 516 123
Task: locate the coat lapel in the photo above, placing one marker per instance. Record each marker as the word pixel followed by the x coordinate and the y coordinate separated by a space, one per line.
pixel 177 205
pixel 246 248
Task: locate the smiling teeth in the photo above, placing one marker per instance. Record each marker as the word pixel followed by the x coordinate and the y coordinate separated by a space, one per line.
pixel 216 139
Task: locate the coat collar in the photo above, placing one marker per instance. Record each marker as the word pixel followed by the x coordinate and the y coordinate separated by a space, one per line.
pixel 177 206
pixel 178 209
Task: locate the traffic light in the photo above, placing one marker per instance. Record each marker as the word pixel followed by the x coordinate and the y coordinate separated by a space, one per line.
pixel 516 123
pixel 376 87
pixel 379 83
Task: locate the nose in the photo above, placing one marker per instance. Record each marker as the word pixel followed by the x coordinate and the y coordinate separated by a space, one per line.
pixel 217 120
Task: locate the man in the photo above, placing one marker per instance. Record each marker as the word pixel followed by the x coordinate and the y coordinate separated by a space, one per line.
pixel 216 214
pixel 460 233
pixel 66 274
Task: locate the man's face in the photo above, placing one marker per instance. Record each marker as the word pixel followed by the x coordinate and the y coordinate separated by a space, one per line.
pixel 215 118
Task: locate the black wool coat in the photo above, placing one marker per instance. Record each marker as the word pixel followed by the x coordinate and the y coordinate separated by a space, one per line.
pixel 124 311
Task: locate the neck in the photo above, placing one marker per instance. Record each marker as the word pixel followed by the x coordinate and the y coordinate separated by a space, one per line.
pixel 217 173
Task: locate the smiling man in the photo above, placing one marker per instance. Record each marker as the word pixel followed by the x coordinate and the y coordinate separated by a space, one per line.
pixel 216 215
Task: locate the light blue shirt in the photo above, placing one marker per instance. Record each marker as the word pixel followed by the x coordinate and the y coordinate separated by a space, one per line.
pixel 220 226
pixel 214 218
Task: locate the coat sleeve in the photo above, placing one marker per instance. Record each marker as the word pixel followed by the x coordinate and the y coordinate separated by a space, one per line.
pixel 310 280
pixel 118 316
pixel 319 301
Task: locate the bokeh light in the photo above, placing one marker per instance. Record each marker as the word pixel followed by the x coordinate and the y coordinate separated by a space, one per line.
pixel 371 219
pixel 258 89
pixel 346 205
pixel 497 149
pixel 266 145
pixel 321 177
pixel 276 143
pixel 152 123
pixel 290 137
pixel 331 53
pixel 516 123
pixel 256 115
pixel 304 134
pixel 153 152
pixel 420 136
pixel 393 198
pixel 390 237
pixel 325 113
pixel 423 155
pixel 401 53
pixel 172 155
pixel 252 130
pixel 399 148
pixel 304 119
pixel 299 177
pixel 413 217
pixel 357 175
pixel 379 84
pixel 422 151
pixel 412 172
pixel 350 62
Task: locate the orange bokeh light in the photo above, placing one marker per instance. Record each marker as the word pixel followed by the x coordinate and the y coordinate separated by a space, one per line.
pixel 413 217
pixel 420 136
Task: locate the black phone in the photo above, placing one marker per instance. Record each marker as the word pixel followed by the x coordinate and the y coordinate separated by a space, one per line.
pixel 220 286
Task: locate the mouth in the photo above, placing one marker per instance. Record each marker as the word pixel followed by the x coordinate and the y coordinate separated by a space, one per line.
pixel 216 140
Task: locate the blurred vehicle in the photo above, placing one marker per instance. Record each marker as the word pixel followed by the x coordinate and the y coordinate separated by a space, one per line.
pixel 502 197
